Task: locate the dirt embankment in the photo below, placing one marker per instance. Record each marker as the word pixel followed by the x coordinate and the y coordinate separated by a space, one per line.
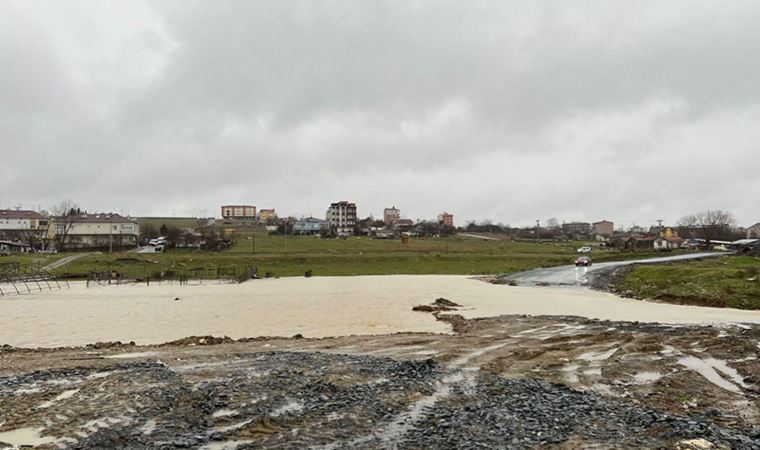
pixel 516 381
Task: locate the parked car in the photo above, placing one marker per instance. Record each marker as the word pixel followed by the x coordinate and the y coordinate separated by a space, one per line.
pixel 583 261
pixel 584 249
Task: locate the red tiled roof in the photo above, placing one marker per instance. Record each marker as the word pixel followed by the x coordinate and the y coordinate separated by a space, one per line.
pixel 20 214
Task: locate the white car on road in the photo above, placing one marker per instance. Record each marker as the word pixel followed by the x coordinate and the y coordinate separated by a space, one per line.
pixel 584 249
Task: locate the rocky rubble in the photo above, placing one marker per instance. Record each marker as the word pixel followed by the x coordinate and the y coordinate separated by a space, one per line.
pixel 311 399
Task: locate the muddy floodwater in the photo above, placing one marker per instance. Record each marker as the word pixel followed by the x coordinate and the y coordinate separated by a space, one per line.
pixel 313 307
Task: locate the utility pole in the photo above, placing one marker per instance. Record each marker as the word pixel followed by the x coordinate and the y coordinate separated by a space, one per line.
pixel 538 229
pixel 659 223
pixel 253 244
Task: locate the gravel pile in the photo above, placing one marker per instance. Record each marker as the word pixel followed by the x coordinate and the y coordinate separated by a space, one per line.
pixel 501 413
pixel 301 400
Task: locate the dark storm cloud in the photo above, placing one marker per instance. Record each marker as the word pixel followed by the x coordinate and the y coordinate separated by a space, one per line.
pixel 510 111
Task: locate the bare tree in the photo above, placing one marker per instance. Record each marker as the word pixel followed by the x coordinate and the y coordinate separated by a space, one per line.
pixel 552 223
pixel 63 215
pixel 711 224
pixel 35 237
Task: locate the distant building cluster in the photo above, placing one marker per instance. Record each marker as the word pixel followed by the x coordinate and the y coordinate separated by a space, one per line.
pixel 23 230
pixel 341 219
pixel 27 230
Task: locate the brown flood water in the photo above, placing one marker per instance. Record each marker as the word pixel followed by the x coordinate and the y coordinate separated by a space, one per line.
pixel 314 307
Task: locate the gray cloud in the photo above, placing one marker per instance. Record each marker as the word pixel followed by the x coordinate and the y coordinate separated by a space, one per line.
pixel 509 111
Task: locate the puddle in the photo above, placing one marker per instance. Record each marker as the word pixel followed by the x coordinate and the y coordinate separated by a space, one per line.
pixel 26 437
pixel 710 368
pixel 224 413
pixel 149 427
pixel 646 377
pixel 571 374
pixel 464 359
pixel 30 390
pixel 234 426
pixel 99 375
pixel 426 352
pixel 62 396
pixel 290 407
pixel 598 356
pixel 132 355
pixel 224 445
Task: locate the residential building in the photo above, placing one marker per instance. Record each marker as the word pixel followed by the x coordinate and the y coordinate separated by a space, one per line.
pixel 239 212
pixel 341 217
pixel 403 225
pixel 667 243
pixel 604 228
pixel 391 215
pixel 576 229
pixel 267 215
pixel 446 219
pixel 101 230
pixel 753 231
pixel 309 226
pixel 637 230
pixel 18 219
pixel 23 226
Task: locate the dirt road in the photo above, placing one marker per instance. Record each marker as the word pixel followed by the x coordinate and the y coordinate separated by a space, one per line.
pixel 63 261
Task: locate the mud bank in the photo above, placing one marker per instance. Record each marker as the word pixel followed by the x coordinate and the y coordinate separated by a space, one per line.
pixel 312 307
pixel 516 381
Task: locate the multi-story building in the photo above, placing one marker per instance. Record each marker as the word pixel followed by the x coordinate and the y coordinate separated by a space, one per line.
pixel 576 229
pixel 239 212
pixel 604 228
pixel 102 230
pixel 309 225
pixel 446 219
pixel 391 215
pixel 341 217
pixel 18 219
pixel 24 230
pixel 636 229
pixel 267 215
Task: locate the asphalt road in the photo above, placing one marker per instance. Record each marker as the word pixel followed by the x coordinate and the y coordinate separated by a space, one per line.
pixel 575 276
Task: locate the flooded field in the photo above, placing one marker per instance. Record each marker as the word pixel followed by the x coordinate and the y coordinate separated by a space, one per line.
pixel 313 307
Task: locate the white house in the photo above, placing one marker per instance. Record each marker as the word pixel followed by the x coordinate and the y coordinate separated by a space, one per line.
pixel 97 231
pixel 753 231
pixel 19 219
pixel 664 243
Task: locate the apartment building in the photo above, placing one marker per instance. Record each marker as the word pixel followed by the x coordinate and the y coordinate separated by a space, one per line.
pixel 341 217
pixel 391 215
pixel 239 212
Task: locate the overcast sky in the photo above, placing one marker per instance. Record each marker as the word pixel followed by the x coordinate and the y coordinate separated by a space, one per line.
pixel 509 111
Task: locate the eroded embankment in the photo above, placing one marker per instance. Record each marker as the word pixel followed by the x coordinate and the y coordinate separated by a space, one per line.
pixel 513 381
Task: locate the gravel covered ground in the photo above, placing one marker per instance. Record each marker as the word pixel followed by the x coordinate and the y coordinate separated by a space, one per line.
pixel 507 382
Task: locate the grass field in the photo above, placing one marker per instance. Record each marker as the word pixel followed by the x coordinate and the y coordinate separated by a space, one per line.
pixel 721 282
pixel 294 255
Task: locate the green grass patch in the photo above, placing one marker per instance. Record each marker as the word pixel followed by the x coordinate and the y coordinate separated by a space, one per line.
pixel 294 255
pixel 721 282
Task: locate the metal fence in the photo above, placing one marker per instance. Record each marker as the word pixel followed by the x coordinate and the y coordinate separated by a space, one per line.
pixel 18 280
pixel 219 275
